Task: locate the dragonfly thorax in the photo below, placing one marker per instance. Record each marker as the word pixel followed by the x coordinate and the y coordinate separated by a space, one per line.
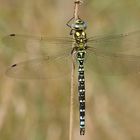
pixel 79 35
pixel 78 32
pixel 80 38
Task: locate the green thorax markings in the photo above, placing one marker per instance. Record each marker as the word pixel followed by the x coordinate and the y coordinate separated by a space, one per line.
pixel 79 35
pixel 80 39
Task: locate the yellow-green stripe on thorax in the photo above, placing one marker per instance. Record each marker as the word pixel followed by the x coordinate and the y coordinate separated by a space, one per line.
pixel 80 39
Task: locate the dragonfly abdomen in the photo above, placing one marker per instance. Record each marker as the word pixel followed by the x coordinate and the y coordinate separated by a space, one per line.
pixel 81 89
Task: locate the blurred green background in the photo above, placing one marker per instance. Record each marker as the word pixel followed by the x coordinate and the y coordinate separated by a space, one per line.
pixel 39 109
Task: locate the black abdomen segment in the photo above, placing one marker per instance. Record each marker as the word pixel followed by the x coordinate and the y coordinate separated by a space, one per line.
pixel 81 89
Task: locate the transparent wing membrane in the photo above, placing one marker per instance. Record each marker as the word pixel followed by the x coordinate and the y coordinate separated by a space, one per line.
pixel 114 64
pixel 104 38
pixel 24 43
pixel 41 68
pixel 128 43
pixel 112 54
pixel 115 54
pixel 49 40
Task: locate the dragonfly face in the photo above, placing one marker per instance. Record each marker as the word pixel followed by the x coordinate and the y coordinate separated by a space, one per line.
pixel 79 25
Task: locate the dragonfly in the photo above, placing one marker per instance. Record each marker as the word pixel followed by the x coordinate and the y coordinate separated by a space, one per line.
pixel 113 55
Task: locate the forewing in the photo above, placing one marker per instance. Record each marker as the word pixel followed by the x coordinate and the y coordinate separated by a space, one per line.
pixel 29 43
pixel 128 43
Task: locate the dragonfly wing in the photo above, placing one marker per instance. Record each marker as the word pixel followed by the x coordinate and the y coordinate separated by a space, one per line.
pixel 128 43
pixel 41 44
pixel 114 64
pixel 116 54
pixel 41 68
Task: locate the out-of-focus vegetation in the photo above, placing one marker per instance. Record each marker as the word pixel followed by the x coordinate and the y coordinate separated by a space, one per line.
pixel 39 109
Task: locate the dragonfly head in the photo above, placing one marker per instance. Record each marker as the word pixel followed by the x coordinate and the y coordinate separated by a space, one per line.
pixel 79 24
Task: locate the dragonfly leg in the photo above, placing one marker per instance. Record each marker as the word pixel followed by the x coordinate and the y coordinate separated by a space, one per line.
pixel 68 23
